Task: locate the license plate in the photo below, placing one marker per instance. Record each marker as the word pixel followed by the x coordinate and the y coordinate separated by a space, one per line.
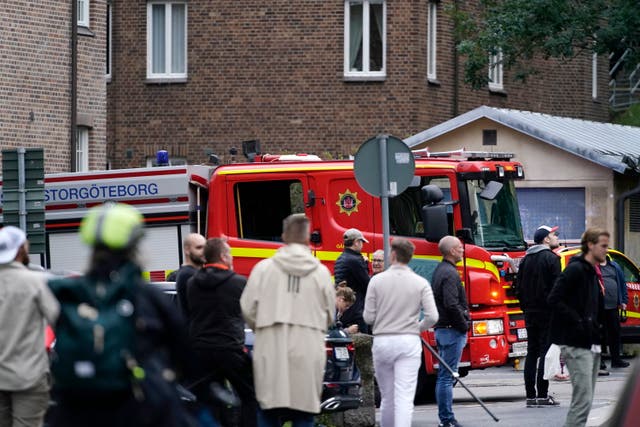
pixel 341 353
pixel 518 349
pixel 522 333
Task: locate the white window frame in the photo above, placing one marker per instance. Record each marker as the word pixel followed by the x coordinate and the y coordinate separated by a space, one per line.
pixel 109 47
pixel 496 74
pixel 365 74
pixel 594 76
pixel 83 13
pixel 168 33
pixel 82 149
pixel 432 31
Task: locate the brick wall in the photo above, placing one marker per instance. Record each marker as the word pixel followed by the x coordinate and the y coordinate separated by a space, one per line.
pixel 274 71
pixel 35 79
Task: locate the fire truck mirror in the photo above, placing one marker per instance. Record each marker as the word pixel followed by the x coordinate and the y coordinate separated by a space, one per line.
pixel 464 234
pixel 434 218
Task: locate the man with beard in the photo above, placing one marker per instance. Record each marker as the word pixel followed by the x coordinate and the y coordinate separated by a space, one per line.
pixel 576 302
pixel 537 273
pixel 193 246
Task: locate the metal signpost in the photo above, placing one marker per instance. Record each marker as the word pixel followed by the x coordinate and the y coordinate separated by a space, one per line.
pixel 384 167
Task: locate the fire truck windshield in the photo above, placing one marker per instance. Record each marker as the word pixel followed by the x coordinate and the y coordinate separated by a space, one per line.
pixel 495 217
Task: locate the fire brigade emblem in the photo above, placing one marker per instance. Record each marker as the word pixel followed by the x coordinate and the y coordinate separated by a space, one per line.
pixel 348 202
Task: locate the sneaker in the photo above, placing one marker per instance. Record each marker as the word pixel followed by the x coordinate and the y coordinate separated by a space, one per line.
pixel 547 401
pixel 619 364
pixel 532 403
pixel 603 373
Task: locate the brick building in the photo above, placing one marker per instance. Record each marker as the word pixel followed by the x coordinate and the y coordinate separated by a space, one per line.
pixel 281 72
pixel 36 85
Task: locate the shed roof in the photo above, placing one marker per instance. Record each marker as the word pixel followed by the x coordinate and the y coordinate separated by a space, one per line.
pixel 616 147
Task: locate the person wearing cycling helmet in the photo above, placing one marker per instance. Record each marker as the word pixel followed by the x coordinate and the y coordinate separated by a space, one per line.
pixel 118 339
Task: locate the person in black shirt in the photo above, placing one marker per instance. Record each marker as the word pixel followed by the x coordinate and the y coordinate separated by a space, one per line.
pixel 216 325
pixel 537 273
pixel 347 312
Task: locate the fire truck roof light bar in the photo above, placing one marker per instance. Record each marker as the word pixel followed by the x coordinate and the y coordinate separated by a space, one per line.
pixel 469 155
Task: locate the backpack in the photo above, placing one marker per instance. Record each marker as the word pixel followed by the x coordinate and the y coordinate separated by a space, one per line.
pixel 95 334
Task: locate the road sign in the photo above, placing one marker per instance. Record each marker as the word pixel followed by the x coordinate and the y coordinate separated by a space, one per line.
pixel 384 166
pixel 398 160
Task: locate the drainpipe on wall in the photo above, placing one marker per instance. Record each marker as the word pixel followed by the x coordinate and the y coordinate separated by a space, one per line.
pixel 74 81
pixel 620 216
pixel 454 107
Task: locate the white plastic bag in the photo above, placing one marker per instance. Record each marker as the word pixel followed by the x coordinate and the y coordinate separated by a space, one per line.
pixel 552 362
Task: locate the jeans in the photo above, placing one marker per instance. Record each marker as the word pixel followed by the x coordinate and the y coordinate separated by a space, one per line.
pixel 276 417
pixel 537 346
pixel 25 408
pixel 396 360
pixel 450 344
pixel 583 365
pixel 612 334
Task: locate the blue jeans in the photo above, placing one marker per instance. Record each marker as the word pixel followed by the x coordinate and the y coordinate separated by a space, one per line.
pixel 277 417
pixel 450 344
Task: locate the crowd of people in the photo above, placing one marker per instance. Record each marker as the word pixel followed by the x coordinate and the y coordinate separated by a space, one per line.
pixel 130 377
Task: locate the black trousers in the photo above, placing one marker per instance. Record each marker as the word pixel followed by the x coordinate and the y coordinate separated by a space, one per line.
pixel 537 324
pixel 234 366
pixel 612 333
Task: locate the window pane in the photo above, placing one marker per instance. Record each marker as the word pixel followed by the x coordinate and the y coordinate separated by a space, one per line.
pixel 177 38
pixel 157 38
pixel 431 41
pixel 564 207
pixel 375 37
pixel 81 11
pixel 355 37
pixel 254 221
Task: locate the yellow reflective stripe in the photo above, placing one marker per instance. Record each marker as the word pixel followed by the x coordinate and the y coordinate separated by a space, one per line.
pixel 284 169
pixel 511 301
pixel 429 257
pixel 253 252
pixel 435 166
pixel 515 312
pixel 482 265
pixel 327 255
pixel 146 275
pixel 632 314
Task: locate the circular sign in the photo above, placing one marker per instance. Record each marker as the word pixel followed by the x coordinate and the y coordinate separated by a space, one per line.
pixel 369 161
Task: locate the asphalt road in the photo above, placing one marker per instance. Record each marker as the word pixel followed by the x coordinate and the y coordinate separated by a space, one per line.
pixel 502 391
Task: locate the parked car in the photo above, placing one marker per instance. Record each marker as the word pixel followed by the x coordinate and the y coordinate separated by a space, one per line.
pixel 630 321
pixel 341 389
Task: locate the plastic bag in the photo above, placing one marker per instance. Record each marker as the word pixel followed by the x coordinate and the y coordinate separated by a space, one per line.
pixel 552 362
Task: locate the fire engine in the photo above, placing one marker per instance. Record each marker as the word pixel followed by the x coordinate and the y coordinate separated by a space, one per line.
pixel 246 202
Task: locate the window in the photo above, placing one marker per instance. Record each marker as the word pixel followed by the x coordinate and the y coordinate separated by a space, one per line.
pixel 166 40
pixel 109 40
pixel 82 149
pixel 594 76
pixel 495 71
pixel 405 210
pixel 564 207
pixel 431 41
pixel 631 273
pixel 283 198
pixel 83 13
pixel 364 39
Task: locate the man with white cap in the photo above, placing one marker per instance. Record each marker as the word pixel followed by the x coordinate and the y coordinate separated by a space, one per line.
pixel 536 275
pixel 352 267
pixel 25 304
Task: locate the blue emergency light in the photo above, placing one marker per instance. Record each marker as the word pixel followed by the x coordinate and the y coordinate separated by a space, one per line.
pixel 162 158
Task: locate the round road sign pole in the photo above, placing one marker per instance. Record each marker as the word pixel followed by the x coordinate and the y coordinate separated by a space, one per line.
pixel 384 197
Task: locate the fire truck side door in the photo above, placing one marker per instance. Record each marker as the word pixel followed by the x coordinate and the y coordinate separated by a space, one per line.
pixel 256 205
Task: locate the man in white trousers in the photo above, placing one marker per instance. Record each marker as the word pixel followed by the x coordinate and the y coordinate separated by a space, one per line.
pixel 392 306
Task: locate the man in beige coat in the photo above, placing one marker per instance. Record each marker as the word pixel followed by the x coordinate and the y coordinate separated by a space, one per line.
pixel 26 303
pixel 289 303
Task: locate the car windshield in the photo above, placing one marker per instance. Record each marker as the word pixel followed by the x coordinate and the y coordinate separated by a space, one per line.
pixel 495 217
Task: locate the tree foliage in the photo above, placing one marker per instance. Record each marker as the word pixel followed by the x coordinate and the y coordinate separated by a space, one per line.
pixel 527 29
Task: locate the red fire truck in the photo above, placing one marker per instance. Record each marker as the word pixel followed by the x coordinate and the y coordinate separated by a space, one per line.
pixel 246 202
